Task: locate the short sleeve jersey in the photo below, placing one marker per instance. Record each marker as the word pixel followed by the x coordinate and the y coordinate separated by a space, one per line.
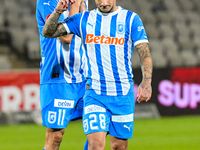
pixel 60 62
pixel 109 40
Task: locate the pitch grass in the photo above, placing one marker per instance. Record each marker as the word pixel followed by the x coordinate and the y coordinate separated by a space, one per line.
pixel 171 133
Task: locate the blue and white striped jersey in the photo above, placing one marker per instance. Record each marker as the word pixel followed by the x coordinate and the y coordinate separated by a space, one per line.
pixel 60 62
pixel 109 39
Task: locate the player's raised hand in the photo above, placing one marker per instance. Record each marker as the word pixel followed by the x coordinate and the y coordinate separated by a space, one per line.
pixel 63 5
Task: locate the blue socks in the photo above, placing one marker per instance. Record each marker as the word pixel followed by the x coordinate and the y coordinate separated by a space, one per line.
pixel 86 145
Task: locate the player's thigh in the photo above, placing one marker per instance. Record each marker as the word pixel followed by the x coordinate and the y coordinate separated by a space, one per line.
pixel 117 143
pixel 51 133
pixel 97 139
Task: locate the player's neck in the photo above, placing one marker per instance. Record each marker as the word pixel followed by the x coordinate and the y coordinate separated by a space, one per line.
pixel 114 8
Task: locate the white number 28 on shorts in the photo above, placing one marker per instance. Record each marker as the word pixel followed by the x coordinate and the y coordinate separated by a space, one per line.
pixel 95 121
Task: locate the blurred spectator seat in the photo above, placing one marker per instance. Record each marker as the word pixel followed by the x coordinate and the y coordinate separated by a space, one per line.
pixel 29 21
pixel 164 17
pixel 192 17
pixel 196 42
pixel 12 6
pixel 174 59
pixel 13 20
pixel 17 39
pixel 195 28
pixel 197 4
pixel 2 14
pixel 31 34
pixel 135 60
pixel 2 21
pixel 33 49
pixel 158 5
pixel 4 62
pixel 186 43
pixel 178 16
pixel 159 60
pixel 186 5
pixel 128 4
pixel 171 5
pixel 198 56
pixel 144 5
pixel 182 29
pixel 155 46
pixel 5 37
pixel 153 32
pixel 169 44
pixel 167 31
pixel 5 49
pixel 189 59
pixel 148 17
pixel 32 4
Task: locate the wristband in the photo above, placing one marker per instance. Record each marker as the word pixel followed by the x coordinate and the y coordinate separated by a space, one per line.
pixel 59 12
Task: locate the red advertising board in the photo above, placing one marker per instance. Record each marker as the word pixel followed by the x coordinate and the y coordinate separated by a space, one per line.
pixel 19 91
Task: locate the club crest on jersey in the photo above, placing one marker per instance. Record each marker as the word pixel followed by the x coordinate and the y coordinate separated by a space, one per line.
pixel 120 28
pixel 51 117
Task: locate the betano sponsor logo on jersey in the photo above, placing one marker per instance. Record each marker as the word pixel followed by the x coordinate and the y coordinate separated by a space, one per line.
pixel 91 38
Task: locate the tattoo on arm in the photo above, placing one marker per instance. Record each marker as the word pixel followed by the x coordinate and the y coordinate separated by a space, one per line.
pixel 145 60
pixel 52 28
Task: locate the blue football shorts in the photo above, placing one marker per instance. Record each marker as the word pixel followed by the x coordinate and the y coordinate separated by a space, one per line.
pixel 112 114
pixel 61 103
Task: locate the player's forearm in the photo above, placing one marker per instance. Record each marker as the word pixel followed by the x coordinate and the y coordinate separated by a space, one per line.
pixel 73 10
pixel 145 61
pixel 52 28
pixel 146 67
pixel 82 6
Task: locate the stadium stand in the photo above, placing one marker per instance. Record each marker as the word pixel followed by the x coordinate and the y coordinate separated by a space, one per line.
pixel 172 26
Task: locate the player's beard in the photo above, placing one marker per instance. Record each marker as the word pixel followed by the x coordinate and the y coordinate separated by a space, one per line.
pixel 106 11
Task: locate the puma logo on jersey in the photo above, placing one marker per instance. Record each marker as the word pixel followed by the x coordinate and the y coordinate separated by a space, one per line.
pixel 129 128
pixel 47 3
pixel 90 38
pixel 90 24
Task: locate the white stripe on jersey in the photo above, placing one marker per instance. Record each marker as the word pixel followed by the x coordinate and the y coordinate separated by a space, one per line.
pixel 77 61
pixel 66 55
pixel 66 27
pixel 58 44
